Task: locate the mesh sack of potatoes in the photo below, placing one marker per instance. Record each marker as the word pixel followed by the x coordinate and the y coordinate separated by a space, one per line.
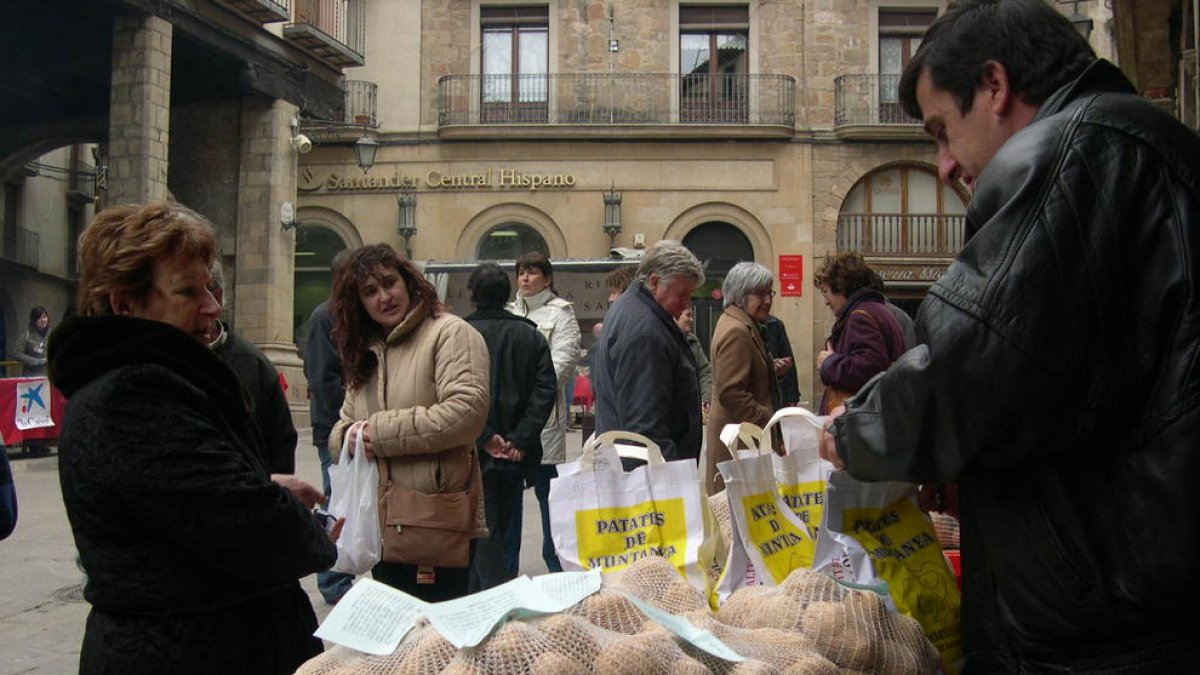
pixel 854 629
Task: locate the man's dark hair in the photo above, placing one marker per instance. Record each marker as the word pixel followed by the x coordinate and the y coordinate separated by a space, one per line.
pixel 489 286
pixel 1038 47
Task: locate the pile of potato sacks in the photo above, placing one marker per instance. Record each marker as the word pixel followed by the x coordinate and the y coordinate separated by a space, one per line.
pixel 808 625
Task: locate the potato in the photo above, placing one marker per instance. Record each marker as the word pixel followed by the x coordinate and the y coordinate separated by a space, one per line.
pixel 512 648
pixel 569 635
pixel 553 663
pixel 753 667
pixel 808 586
pixel 688 666
pixel 611 611
pixel 839 636
pixel 812 664
pixel 645 654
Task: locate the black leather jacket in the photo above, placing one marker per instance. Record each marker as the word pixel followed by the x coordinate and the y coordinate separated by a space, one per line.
pixel 1059 384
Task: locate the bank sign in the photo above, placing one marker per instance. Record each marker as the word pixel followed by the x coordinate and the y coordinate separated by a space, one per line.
pixel 494 178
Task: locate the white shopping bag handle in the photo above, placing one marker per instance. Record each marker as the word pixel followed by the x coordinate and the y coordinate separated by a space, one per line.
pixel 803 413
pixel 651 454
pixel 749 433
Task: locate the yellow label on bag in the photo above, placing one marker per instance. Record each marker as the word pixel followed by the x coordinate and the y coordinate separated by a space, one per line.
pixel 807 501
pixel 905 552
pixel 614 538
pixel 782 545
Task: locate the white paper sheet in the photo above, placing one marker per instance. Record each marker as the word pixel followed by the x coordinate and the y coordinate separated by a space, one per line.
pixel 372 618
pixel 687 630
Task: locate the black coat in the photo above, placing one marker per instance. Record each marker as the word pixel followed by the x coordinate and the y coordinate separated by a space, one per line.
pixel 323 370
pixel 193 555
pixel 645 377
pixel 1057 382
pixel 523 385
pixel 271 414
pixel 780 347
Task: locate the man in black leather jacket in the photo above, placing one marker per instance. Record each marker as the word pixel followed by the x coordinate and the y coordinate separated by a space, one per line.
pixel 1058 379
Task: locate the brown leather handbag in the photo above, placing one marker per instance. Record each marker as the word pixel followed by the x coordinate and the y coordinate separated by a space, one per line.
pixel 427 529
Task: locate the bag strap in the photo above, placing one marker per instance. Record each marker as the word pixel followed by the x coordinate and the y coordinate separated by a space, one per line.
pixel 784 413
pixel 749 433
pixel 651 455
pixel 870 317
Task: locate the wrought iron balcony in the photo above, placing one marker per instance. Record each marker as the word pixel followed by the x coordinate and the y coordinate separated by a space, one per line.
pixel 361 105
pixel 23 247
pixel 335 30
pixel 617 99
pixel 263 11
pixel 869 105
pixel 894 234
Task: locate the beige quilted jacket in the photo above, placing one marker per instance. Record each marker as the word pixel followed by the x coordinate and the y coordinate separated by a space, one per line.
pixel 432 385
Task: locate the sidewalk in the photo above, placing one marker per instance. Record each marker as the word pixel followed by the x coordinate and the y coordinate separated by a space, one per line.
pixel 42 612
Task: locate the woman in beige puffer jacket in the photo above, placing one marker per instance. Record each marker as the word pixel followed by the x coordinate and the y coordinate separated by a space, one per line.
pixel 417 390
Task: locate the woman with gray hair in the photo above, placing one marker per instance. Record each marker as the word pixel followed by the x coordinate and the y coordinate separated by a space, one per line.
pixel 744 384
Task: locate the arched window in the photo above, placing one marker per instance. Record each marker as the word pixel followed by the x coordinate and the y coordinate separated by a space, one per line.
pixel 719 246
pixel 902 211
pixel 509 241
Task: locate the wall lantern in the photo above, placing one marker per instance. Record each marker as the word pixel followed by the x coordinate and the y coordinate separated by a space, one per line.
pixel 364 151
pixel 612 214
pixel 407 226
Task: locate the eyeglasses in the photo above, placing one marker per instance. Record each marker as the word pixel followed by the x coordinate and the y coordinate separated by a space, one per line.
pixel 764 293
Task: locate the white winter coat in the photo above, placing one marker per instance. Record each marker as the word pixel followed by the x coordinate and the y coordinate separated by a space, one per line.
pixel 555 320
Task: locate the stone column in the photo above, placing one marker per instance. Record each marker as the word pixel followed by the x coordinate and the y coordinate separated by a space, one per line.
pixel 140 109
pixel 264 280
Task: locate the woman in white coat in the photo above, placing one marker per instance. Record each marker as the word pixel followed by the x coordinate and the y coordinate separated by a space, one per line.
pixel 555 319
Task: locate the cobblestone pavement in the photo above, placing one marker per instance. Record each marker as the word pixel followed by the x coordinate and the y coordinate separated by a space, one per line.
pixel 42 612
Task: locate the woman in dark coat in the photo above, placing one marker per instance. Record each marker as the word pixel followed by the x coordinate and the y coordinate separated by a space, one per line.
pixel 865 339
pixel 193 552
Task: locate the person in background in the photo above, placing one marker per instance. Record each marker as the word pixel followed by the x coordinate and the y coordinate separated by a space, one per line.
pixel 271 413
pixel 8 497
pixel 618 281
pixel 31 352
pixel 194 554
pixel 745 388
pixel 687 324
pixel 555 318
pixel 780 348
pixel 31 349
pixel 1056 381
pixel 901 316
pixel 644 377
pixel 523 388
pixel 865 338
pixel 417 392
pixel 326 391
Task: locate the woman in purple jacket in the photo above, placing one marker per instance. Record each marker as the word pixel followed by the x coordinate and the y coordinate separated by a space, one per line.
pixel 865 338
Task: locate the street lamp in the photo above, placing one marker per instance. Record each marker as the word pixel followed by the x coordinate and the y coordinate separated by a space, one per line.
pixel 612 215
pixel 407 226
pixel 364 151
pixel 1081 22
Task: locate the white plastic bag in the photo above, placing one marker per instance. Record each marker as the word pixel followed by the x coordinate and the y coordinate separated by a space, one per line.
pixel 354 495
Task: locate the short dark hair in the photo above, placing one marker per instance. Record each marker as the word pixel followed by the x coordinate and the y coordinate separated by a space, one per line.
pixel 489 286
pixel 538 261
pixel 1038 47
pixel 844 273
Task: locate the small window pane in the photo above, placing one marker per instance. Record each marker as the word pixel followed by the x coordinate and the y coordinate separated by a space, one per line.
pixel 511 241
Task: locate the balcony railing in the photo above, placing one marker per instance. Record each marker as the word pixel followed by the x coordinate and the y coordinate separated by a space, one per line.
pixel 82 183
pixel 361 104
pixel 869 100
pixel 263 11
pixel 617 99
pixel 23 248
pixel 332 29
pixel 925 235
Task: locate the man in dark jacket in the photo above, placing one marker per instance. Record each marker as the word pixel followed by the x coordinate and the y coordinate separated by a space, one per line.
pixel 272 417
pixel 780 348
pixel 644 374
pixel 323 370
pixel 523 389
pixel 1056 378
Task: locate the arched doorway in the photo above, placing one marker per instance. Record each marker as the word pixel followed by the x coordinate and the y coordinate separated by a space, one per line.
pixel 509 242
pixel 316 246
pixel 719 246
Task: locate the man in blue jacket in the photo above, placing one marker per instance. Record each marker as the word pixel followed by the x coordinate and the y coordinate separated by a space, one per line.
pixel 644 374
pixel 1057 378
